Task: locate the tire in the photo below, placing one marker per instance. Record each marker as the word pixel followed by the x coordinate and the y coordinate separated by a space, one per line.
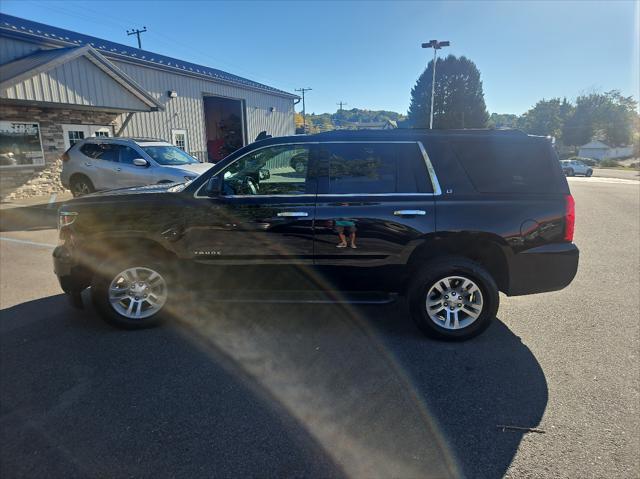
pixel 449 274
pixel 569 172
pixel 137 296
pixel 589 173
pixel 80 185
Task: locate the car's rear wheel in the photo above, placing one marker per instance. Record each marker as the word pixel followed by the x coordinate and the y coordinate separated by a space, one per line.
pixel 589 173
pixel 80 185
pixel 453 299
pixel 132 293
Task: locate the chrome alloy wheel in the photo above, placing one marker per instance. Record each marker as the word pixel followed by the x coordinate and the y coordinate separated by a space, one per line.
pixel 137 293
pixel 454 302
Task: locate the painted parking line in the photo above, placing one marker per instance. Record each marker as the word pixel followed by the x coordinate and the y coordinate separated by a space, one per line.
pixel 598 179
pixel 28 243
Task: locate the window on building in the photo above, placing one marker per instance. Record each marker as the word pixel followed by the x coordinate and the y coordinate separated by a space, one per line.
pixel 75 136
pixel 179 138
pixel 20 144
pixel 102 134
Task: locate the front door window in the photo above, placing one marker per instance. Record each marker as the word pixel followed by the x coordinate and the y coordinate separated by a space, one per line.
pixel 277 170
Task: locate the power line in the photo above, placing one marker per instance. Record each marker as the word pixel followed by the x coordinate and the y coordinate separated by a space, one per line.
pixel 304 111
pixel 137 33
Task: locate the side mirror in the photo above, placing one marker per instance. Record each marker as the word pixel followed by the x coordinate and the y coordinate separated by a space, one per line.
pixel 140 162
pixel 214 186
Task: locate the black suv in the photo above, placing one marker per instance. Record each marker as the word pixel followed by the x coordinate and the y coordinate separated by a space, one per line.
pixel 446 218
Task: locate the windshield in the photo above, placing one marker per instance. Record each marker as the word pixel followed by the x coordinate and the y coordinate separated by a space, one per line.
pixel 169 155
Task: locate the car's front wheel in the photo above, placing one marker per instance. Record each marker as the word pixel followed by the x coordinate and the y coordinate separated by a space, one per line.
pixel 453 299
pixel 569 172
pixel 589 173
pixel 131 293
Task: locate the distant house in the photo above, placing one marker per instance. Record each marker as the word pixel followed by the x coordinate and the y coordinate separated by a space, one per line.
pixel 597 150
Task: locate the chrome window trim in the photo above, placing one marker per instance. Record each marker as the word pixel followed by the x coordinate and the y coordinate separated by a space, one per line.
pixel 437 191
pixel 432 172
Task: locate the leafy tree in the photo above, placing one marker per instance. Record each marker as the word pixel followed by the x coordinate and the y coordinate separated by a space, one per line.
pixel 317 123
pixel 503 120
pixel 546 118
pixel 299 123
pixel 459 98
pixel 608 116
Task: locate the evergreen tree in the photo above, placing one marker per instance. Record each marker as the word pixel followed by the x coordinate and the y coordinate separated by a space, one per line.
pixel 459 99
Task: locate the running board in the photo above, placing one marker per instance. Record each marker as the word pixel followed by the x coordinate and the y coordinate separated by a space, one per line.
pixel 301 297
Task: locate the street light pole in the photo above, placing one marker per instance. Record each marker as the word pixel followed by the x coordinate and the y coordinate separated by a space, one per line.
pixel 436 45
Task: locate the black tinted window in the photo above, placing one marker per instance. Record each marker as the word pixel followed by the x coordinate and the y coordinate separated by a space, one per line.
pixel 104 151
pixel 89 150
pixel 499 166
pixel 370 168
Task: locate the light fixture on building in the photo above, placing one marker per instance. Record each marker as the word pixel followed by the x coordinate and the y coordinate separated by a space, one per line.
pixel 172 94
pixel 272 109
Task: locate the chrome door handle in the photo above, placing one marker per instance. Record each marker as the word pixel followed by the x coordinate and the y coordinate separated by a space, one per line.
pixel 86 163
pixel 118 169
pixel 293 214
pixel 410 213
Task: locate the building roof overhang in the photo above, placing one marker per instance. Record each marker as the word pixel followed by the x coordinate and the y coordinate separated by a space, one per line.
pixel 42 61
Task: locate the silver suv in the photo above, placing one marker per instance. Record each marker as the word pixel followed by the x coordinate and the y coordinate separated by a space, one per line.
pixel 108 163
pixel 575 167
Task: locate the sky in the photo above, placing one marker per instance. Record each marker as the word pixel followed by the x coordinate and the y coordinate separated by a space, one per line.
pixel 368 54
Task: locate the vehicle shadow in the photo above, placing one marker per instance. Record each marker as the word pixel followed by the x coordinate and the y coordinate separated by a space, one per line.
pixel 471 388
pixel 32 218
pixel 268 390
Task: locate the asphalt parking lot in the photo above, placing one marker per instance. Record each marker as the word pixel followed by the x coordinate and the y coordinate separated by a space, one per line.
pixel 332 390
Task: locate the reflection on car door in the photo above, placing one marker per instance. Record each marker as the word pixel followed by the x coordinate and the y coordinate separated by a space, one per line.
pixel 375 201
pixel 270 222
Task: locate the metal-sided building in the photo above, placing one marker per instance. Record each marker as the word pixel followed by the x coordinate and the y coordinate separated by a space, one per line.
pixel 59 86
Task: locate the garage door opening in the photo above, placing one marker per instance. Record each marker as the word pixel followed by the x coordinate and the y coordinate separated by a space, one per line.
pixel 224 120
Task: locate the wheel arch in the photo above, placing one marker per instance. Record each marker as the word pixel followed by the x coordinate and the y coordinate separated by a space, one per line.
pixel 100 249
pixel 490 251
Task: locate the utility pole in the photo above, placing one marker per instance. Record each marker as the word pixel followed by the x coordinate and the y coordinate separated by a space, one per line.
pixel 137 33
pixel 436 45
pixel 341 104
pixel 304 111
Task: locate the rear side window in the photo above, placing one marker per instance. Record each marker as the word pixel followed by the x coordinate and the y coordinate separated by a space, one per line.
pixel 101 151
pixel 374 168
pixel 507 166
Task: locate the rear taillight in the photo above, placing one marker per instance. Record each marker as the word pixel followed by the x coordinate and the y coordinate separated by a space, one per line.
pixel 65 156
pixel 569 218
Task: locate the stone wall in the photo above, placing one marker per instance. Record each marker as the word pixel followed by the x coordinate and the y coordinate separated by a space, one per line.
pixel 44 180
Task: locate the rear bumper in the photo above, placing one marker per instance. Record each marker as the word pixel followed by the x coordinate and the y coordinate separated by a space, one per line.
pixel 546 268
